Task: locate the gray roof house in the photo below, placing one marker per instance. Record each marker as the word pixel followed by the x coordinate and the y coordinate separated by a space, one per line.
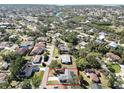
pixel 66 76
pixel 63 49
pixel 26 70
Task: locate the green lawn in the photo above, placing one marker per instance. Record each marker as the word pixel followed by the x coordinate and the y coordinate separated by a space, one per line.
pixel 40 74
pixel 41 66
pixel 115 68
pixel 55 52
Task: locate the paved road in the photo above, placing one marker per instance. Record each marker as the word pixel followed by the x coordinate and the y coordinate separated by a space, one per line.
pixel 44 80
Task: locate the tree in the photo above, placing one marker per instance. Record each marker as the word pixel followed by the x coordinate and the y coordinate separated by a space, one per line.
pixel 4 85
pixel 16 65
pixel 118 50
pixel 103 49
pixel 26 84
pixel 71 37
pixel 82 63
pixel 43 30
pixel 9 56
pixel 92 60
pixel 36 80
pixel 83 53
pixel 74 52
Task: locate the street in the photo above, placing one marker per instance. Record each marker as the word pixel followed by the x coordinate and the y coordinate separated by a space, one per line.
pixel 44 80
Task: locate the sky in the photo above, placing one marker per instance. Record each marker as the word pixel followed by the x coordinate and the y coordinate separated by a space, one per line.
pixel 62 2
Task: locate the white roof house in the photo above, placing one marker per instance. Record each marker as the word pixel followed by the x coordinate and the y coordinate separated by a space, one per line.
pixel 65 59
pixel 113 44
pixel 101 37
pixel 5 65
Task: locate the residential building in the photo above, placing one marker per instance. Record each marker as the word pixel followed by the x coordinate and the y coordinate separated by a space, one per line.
pixel 66 59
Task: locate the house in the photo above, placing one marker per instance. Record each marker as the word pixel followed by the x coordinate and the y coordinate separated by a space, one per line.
pixel 62 49
pixel 27 44
pixel 82 44
pixel 22 51
pixel 26 70
pixel 3 45
pixel 13 36
pixel 96 86
pixel 3 77
pixel 93 75
pixel 66 76
pixel 5 66
pixel 112 44
pixel 26 38
pixel 36 59
pixel 30 39
pixel 113 57
pixel 101 37
pixel 66 59
pixel 42 39
pixel 38 48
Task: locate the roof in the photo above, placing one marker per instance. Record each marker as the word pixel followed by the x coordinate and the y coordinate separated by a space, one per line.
pixel 40 44
pixel 2 77
pixel 4 44
pixel 65 58
pixel 62 47
pixel 101 37
pixel 27 69
pixel 36 58
pixel 113 56
pixel 27 43
pixel 113 44
pixel 102 33
pixel 38 48
pixel 22 51
pixel 96 86
pixel 94 77
pixel 66 75
pixel 5 65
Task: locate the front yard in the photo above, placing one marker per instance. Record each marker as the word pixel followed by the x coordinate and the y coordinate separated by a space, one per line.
pixel 53 82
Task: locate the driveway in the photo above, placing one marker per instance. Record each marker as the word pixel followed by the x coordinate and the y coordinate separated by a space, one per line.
pixel 53 78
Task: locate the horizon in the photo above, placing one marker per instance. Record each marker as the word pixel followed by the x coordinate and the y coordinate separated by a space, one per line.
pixel 64 2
